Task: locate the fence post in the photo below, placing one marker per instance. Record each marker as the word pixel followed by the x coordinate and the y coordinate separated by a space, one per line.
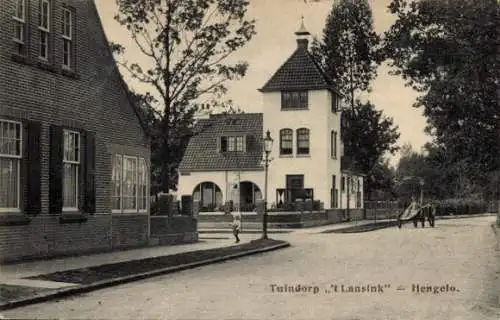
pixel 196 208
pixel 187 205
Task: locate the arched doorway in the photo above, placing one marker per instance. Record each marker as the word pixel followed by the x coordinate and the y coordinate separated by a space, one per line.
pixel 249 195
pixel 209 195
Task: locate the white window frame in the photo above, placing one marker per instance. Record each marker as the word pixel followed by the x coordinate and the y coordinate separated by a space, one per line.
pixel 136 185
pixel 138 160
pixel 145 172
pixel 18 157
pixel 307 132
pixel 65 37
pixel 44 31
pixel 76 162
pixel 120 181
pixel 18 19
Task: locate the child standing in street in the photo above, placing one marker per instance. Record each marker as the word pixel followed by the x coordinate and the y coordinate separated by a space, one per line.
pixel 236 225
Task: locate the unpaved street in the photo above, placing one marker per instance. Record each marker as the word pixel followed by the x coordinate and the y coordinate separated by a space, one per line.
pixel 457 259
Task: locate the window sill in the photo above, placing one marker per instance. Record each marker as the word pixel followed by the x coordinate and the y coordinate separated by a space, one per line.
pixel 303 156
pixel 286 155
pixel 19 58
pixel 14 219
pixel 45 65
pixel 69 73
pixel 73 217
pixel 130 212
pixel 294 109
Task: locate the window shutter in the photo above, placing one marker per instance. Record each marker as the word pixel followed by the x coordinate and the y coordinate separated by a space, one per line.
pixel 82 178
pixel 32 167
pixel 90 192
pixel 56 170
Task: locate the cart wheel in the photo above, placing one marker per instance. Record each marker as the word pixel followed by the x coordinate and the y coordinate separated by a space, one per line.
pixel 415 223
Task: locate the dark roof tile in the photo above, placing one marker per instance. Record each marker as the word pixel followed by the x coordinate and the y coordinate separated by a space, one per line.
pixel 299 72
pixel 202 155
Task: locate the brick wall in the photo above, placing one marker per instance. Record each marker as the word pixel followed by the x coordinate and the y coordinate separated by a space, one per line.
pixel 162 225
pixel 91 97
pixel 130 230
pixel 45 236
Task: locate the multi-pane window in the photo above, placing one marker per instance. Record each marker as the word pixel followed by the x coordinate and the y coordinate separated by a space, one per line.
pixel 303 141
pixel 142 185
pixel 20 24
pixel 334 144
pixel 10 163
pixel 232 144
pixel 44 28
pixel 71 162
pixel 286 141
pixel 130 184
pixel 117 182
pixel 294 99
pixel 67 36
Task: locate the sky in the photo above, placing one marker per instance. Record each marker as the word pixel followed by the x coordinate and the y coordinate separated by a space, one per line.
pixel 276 22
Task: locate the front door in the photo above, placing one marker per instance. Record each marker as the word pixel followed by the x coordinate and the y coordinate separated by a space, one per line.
pixel 294 186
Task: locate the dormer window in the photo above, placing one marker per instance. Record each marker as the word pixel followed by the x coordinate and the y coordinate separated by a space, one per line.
pixel 294 100
pixel 232 144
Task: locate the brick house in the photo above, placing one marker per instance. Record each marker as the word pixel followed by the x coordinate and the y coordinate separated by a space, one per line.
pixel 302 110
pixel 74 155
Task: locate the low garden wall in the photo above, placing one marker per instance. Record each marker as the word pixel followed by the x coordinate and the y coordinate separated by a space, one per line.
pixel 252 220
pixel 173 229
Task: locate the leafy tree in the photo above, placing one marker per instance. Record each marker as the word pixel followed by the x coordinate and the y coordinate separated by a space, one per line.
pixel 187 45
pixel 382 181
pixel 448 51
pixel 348 48
pixel 367 138
pixel 348 52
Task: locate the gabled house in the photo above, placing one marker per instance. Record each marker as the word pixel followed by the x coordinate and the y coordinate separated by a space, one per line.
pixel 302 110
pixel 222 162
pixel 74 155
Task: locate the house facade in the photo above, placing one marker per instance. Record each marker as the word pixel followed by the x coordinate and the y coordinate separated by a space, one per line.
pixel 74 155
pixel 302 111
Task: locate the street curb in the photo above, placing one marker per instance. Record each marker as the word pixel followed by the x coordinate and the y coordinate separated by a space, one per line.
pixel 78 289
pixel 466 216
pixel 251 231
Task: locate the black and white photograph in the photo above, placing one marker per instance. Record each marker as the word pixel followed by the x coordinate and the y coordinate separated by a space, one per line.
pixel 250 159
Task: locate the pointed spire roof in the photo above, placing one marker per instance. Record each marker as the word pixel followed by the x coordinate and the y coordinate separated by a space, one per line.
pixel 302 30
pixel 300 71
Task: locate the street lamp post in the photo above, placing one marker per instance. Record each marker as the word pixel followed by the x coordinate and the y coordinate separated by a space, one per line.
pixel 268 145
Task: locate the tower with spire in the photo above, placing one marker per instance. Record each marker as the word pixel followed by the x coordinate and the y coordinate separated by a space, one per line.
pixel 301 107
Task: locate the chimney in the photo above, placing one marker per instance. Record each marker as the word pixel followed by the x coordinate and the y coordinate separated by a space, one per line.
pixel 302 36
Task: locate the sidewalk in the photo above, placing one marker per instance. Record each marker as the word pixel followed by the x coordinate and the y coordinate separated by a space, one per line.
pixel 12 273
pixel 37 281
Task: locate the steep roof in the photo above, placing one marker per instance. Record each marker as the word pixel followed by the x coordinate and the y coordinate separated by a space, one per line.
pixel 299 72
pixel 141 117
pixel 202 154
